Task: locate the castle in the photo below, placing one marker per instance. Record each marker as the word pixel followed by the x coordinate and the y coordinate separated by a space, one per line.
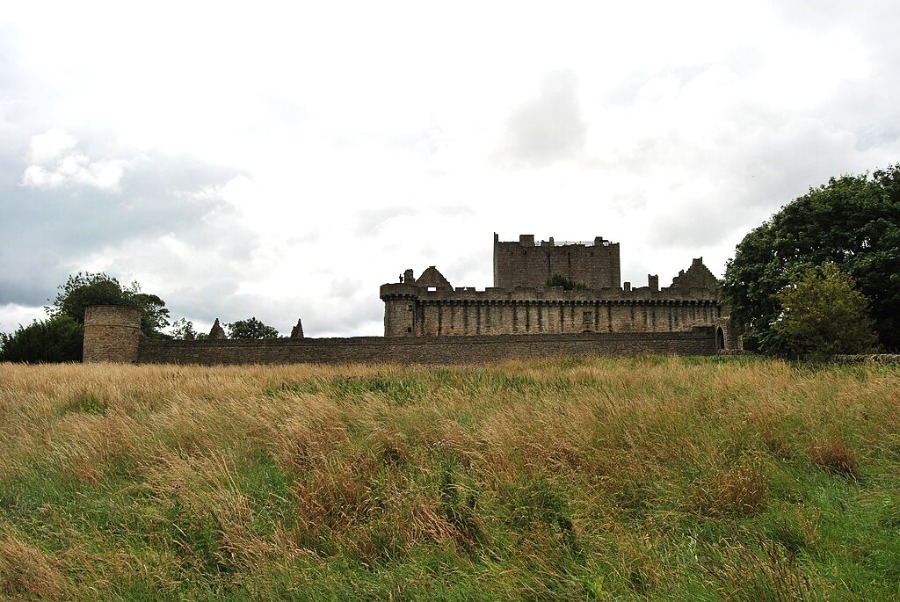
pixel 548 299
pixel 548 287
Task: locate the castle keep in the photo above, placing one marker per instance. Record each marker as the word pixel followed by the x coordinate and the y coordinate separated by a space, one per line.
pixel 427 320
pixel 522 300
pixel 529 264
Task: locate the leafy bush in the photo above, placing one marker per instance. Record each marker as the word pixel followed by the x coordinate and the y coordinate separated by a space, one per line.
pixel 250 329
pixel 823 315
pixel 567 284
pixel 59 339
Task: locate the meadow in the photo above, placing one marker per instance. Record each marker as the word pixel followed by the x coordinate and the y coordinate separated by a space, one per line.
pixel 649 478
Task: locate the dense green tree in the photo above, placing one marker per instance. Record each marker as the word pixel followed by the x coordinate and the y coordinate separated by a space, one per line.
pixel 250 329
pixel 85 289
pixel 154 315
pixel 58 339
pixel 822 313
pixel 854 222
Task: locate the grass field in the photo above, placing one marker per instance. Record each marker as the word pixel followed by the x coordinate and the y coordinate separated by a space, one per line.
pixel 571 479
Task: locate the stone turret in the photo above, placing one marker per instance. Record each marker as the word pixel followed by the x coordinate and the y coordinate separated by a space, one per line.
pixel 112 333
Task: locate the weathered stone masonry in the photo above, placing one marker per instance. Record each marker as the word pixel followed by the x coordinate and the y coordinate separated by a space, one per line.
pixel 111 334
pixel 424 350
pixel 526 263
pixel 427 320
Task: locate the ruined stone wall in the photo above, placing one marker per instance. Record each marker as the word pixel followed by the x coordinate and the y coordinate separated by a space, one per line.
pixel 527 264
pixel 425 350
pixel 111 334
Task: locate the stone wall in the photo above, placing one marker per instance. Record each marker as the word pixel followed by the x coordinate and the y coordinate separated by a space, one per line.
pixel 872 358
pixel 112 334
pixel 425 350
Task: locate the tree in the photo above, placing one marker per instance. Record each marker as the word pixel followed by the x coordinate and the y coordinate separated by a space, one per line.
pixel 853 222
pixel 566 283
pixel 58 339
pixel 154 315
pixel 823 314
pixel 85 289
pixel 183 330
pixel 250 329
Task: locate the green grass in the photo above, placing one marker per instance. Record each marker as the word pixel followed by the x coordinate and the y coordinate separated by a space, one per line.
pixel 572 479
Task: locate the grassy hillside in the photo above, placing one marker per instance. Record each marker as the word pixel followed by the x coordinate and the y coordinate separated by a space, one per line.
pixel 572 479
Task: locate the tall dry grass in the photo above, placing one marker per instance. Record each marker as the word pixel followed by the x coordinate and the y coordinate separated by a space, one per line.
pixel 603 478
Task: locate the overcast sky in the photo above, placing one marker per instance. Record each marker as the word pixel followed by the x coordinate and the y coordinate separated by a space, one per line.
pixel 284 162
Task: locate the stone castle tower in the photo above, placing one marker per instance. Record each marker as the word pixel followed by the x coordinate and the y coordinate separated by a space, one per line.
pixel 529 264
pixel 112 333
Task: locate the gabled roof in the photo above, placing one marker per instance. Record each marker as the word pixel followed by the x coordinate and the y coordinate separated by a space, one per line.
pixel 431 277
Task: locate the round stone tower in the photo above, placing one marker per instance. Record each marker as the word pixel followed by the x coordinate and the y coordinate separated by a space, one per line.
pixel 111 334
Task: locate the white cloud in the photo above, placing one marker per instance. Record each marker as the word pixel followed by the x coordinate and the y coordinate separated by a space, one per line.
pixel 47 147
pixel 55 162
pixel 13 315
pixel 547 129
pixel 76 170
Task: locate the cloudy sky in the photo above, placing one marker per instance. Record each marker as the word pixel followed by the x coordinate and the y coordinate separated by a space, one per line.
pixel 284 162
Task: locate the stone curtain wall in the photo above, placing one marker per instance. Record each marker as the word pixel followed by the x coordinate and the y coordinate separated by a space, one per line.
pixel 410 312
pixel 425 350
pixel 442 317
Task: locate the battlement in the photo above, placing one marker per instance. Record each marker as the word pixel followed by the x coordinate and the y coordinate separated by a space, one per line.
pixel 527 240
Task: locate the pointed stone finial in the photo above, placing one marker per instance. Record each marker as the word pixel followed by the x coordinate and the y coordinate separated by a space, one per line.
pixel 217 332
